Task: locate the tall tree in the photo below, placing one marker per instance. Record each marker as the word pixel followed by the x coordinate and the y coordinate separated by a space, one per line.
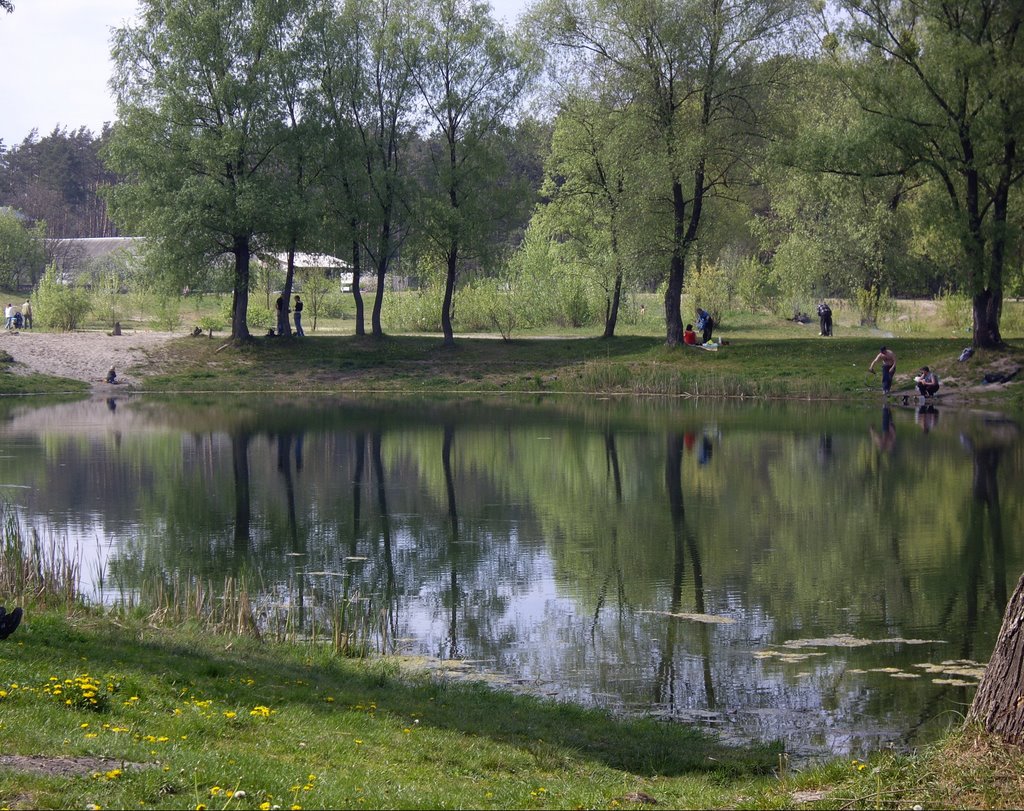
pixel 365 105
pixel 938 81
pixel 588 191
pixel 470 76
pixel 699 72
pixel 59 178
pixel 199 119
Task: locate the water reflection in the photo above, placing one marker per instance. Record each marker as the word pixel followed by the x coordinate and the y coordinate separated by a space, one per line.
pixel 776 572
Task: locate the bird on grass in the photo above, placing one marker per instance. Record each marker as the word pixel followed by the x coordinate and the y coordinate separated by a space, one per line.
pixel 9 622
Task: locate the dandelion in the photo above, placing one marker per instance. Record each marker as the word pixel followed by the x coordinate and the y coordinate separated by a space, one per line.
pixel 113 774
pixel 265 806
pixel 230 714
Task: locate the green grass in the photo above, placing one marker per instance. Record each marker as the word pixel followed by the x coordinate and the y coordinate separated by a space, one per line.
pixel 180 712
pixel 114 711
pixel 632 365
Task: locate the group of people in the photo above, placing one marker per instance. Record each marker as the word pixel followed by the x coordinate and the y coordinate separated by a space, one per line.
pixel 926 380
pixel 282 315
pixel 15 318
pixel 705 323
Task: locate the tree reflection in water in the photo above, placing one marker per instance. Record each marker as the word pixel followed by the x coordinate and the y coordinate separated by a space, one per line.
pixel 502 533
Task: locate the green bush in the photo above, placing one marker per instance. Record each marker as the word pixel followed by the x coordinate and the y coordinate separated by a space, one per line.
pixel 874 304
pixel 167 313
pixel 709 290
pixel 956 310
pixel 755 288
pixel 58 305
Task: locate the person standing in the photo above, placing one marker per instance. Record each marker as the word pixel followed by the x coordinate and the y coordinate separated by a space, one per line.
pixel 282 316
pixel 887 358
pixel 825 319
pixel 298 317
pixel 26 314
pixel 706 324
pixel 9 316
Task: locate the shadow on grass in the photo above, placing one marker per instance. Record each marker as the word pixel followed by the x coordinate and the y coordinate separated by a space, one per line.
pixel 549 730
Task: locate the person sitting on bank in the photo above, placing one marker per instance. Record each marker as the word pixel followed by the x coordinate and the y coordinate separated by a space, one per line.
pixel 689 336
pixel 111 375
pixel 927 382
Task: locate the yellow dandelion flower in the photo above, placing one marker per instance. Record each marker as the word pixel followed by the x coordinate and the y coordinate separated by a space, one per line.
pixel 265 806
pixel 230 714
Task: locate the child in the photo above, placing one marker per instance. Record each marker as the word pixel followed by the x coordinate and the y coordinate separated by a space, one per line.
pixel 689 336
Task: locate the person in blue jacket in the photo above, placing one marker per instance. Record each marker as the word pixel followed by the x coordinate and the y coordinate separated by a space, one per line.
pixel 706 324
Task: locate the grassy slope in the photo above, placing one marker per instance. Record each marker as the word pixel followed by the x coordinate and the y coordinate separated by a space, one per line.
pixel 749 367
pixel 183 716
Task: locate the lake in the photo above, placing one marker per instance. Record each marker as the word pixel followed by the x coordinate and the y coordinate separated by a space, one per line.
pixel 826 575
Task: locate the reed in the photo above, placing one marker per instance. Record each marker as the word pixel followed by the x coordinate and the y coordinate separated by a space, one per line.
pixel 243 605
pixel 36 571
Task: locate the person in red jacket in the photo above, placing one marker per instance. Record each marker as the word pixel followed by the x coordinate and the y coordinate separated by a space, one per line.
pixel 689 336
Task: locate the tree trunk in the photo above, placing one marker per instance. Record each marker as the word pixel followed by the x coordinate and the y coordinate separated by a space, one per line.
pixel 612 314
pixel 987 308
pixel 284 326
pixel 999 703
pixel 674 290
pixel 449 295
pixel 357 294
pixel 240 300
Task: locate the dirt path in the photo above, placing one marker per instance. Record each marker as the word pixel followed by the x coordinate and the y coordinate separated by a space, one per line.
pixel 82 356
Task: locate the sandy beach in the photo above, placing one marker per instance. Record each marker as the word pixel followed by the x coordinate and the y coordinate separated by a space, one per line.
pixel 82 356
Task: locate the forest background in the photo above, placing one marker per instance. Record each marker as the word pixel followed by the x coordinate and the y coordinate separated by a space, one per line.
pixel 754 155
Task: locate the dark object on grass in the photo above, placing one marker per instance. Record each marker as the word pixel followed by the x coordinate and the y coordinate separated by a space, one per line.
pixel 9 622
pixel 994 377
pixel 965 354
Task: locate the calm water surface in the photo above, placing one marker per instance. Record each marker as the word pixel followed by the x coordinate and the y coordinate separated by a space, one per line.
pixel 832 577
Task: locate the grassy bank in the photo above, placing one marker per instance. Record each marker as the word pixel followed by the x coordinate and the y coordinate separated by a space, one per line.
pixel 632 365
pixel 115 712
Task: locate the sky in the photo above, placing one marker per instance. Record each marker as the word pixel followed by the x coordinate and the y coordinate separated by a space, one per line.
pixel 55 63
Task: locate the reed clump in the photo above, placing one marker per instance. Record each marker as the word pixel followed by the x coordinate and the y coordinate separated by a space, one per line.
pixel 34 570
pixel 243 605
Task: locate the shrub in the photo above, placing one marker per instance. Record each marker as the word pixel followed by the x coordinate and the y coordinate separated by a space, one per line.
pixel 956 310
pixel 60 306
pixel 707 289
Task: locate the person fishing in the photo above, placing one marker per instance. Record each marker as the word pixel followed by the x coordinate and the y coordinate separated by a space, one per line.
pixel 887 358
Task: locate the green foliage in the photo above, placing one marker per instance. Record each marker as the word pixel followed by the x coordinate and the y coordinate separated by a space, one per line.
pixel 167 313
pixel 315 289
pixel 874 304
pixel 111 277
pixel 210 324
pixel 956 309
pixel 755 287
pixel 708 288
pixel 258 316
pixel 60 306
pixel 22 252
pixel 414 310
